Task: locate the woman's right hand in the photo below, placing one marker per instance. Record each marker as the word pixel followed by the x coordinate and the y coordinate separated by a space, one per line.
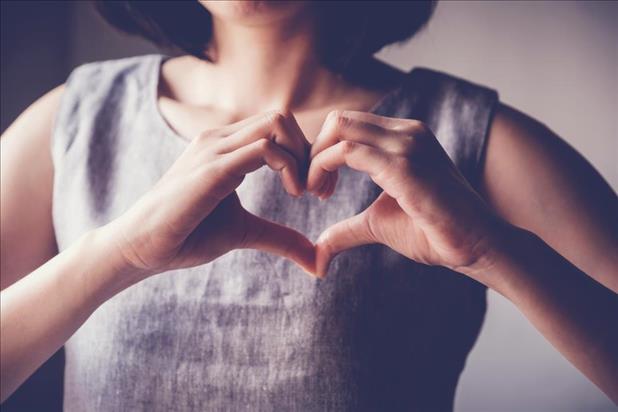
pixel 193 214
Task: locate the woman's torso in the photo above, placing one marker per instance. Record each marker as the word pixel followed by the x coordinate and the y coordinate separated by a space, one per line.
pixel 250 331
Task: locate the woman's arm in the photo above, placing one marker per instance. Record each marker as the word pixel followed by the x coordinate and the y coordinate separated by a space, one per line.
pixel 26 179
pixel 575 313
pixel 429 213
pixel 533 179
pixel 204 220
pixel 536 181
pixel 40 311
pixel 43 309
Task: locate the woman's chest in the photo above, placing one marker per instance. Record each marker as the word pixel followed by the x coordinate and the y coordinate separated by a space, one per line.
pixel 189 121
pixel 251 325
pixel 244 318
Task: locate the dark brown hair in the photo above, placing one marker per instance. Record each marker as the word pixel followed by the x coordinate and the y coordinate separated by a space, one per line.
pixel 348 30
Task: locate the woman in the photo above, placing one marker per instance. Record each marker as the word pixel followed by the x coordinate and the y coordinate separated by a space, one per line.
pixel 425 187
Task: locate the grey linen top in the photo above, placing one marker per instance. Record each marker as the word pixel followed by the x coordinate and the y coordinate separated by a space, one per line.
pixel 251 331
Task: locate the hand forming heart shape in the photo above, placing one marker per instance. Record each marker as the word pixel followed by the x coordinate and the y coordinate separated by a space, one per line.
pixel 427 211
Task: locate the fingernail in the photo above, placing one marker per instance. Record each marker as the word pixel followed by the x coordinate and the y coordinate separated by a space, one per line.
pixel 332 186
pixel 322 262
pixel 319 192
pixel 328 188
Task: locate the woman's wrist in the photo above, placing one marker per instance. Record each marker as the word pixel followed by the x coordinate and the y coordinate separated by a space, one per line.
pixel 495 268
pixel 103 270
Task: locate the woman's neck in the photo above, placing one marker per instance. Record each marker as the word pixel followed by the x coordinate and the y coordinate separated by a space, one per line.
pixel 265 67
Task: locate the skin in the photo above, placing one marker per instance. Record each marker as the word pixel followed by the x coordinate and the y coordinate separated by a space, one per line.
pixel 542 231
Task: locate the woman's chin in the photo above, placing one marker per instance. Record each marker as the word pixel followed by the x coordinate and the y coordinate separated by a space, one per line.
pixel 253 12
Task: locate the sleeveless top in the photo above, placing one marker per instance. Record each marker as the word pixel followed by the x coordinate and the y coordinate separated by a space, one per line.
pixel 250 330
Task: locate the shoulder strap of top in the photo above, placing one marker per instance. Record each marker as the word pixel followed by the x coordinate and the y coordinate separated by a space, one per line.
pixel 459 113
pixel 99 96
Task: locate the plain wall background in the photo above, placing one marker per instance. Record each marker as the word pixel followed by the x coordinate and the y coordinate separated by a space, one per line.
pixel 557 61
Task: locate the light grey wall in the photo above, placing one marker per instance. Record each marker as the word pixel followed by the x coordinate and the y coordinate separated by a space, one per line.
pixel 557 61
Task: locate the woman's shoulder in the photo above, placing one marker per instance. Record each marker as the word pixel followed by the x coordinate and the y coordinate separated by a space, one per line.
pixel 112 73
pixel 441 88
pixel 93 86
pixel 105 86
pixel 97 95
pixel 442 100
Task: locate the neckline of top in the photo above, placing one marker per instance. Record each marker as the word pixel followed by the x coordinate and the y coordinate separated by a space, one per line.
pixel 153 98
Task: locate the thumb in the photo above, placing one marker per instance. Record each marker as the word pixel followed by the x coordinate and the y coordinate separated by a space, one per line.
pixel 343 235
pixel 274 238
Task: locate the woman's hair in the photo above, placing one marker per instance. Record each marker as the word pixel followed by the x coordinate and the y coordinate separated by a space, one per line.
pixel 348 30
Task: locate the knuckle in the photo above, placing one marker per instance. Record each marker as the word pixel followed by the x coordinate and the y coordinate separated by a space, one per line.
pixel 347 147
pixel 401 163
pixel 412 126
pixel 285 113
pixel 339 119
pixel 216 147
pixel 422 129
pixel 276 117
pixel 265 145
pixel 409 144
pixel 330 117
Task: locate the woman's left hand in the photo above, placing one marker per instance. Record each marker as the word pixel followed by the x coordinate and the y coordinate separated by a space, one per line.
pixel 427 212
pixel 430 213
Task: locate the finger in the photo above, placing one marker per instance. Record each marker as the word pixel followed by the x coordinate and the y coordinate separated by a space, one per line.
pixel 362 128
pixel 333 177
pixel 393 123
pixel 343 235
pixel 228 129
pixel 280 127
pixel 358 156
pixel 340 125
pixel 251 157
pixel 275 238
pixel 328 188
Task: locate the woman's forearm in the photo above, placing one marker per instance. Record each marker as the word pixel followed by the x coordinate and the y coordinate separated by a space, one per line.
pixel 575 313
pixel 43 309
